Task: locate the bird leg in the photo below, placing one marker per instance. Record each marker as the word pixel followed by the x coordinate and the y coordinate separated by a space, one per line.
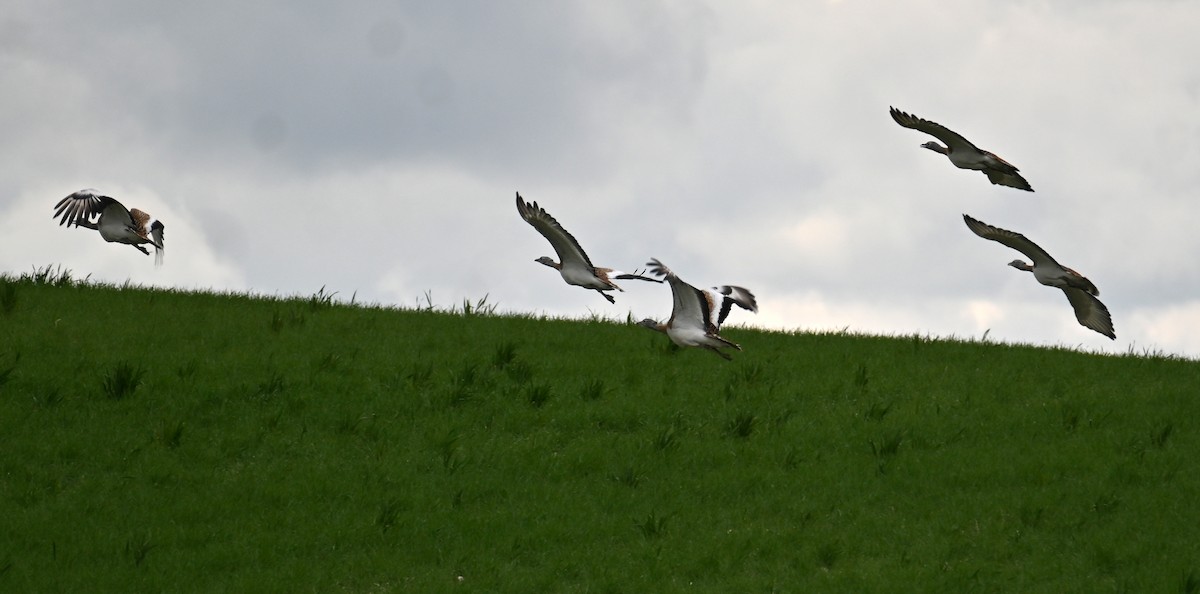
pixel 141 249
pixel 606 296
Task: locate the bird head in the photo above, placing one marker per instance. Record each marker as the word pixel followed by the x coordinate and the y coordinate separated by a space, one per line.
pixel 935 147
pixel 651 324
pixel 548 261
pixel 1021 265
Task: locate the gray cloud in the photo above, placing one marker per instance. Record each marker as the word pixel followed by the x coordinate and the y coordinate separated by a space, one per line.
pixel 377 149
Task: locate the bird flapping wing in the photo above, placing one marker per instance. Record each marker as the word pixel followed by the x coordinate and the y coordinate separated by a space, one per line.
pixel 1011 179
pixel 565 244
pixel 1011 239
pixel 1090 312
pixel 725 296
pixel 690 306
pixel 950 138
pixel 84 205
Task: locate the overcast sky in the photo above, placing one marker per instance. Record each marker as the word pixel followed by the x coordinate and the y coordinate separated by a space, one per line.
pixel 376 147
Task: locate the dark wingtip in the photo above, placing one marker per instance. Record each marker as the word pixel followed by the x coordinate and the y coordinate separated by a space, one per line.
pixel 658 268
pixel 899 115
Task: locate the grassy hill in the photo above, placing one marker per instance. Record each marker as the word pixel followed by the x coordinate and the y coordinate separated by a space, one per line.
pixel 171 441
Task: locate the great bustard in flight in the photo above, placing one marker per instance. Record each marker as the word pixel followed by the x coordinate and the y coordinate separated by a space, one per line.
pixel 115 223
pixel 574 265
pixel 1080 291
pixel 697 315
pixel 962 153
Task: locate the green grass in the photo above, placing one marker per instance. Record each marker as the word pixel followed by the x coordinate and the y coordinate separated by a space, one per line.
pixel 173 441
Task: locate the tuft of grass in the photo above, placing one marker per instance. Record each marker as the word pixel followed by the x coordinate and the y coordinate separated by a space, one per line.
pixel 419 375
pixel 750 373
pixel 187 370
pixel 389 512
pixel 827 555
pixel 122 380
pixel 1106 504
pixel 321 300
pixel 329 362
pixel 652 526
pixel 51 275
pixel 519 372
pixel 466 376
pixel 592 390
pixel 282 319
pixel 919 340
pixel 48 398
pixel 1189 582
pixel 741 425
pixel 876 411
pixel 860 376
pixel 169 434
pixel 1159 435
pixel 349 425
pixel 1072 416
pixel 449 452
pixel 538 394
pixel 885 449
pixel 138 547
pixel 271 387
pixel 480 308
pixel 7 371
pixel 731 391
pixel 792 459
pixel 505 354
pixel 888 445
pixel 667 439
pixel 464 385
pixel 276 322
pixel 628 476
pixel 8 296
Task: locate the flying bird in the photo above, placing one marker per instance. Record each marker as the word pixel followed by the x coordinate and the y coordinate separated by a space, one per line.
pixel 574 265
pixel 1080 291
pixel 962 153
pixel 697 315
pixel 115 223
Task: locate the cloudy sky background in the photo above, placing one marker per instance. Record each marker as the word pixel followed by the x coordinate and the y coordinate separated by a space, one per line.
pixel 374 148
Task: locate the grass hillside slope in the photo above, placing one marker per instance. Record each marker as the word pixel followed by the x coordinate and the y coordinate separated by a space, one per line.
pixel 170 441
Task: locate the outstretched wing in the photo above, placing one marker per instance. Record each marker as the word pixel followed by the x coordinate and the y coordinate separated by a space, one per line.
pixel 1011 239
pixel 1011 179
pixel 1090 312
pixel 565 245
pixel 953 140
pixel 84 205
pixel 725 296
pixel 690 306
